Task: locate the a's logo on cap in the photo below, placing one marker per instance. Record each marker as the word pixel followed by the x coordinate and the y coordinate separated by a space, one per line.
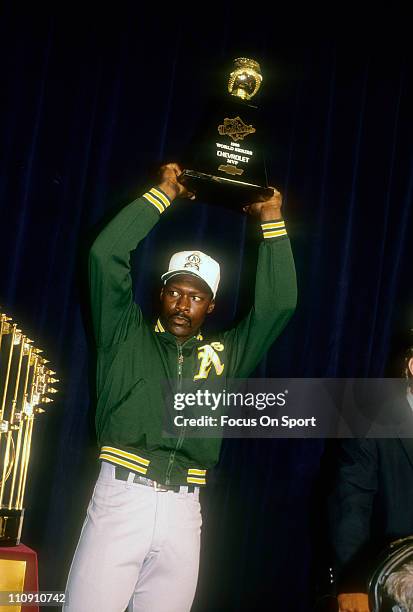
pixel 192 261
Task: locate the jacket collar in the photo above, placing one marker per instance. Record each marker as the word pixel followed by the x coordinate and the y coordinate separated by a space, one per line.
pixel 160 329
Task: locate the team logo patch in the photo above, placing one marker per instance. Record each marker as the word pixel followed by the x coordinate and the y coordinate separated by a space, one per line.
pixel 208 356
pixel 193 261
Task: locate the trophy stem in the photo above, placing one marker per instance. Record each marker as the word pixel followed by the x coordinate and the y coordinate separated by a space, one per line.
pixel 21 426
pixel 27 457
pixel 16 464
pixel 6 466
pixel 23 463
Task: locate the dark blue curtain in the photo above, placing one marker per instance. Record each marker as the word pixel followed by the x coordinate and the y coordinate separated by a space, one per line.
pixel 90 101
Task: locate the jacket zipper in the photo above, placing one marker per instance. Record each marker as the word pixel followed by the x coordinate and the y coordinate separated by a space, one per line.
pixel 181 437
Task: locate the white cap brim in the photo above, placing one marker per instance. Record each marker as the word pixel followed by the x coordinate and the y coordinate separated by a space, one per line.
pixel 167 275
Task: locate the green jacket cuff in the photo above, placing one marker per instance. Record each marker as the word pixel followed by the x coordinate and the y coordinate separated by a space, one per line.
pixel 157 198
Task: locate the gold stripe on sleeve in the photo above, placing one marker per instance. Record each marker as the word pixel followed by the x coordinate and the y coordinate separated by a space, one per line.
pixel 154 201
pixel 161 196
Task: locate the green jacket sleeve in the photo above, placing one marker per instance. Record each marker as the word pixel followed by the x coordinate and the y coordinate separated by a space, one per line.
pixel 114 311
pixel 274 303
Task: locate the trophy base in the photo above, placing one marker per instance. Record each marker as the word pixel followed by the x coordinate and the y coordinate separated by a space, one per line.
pixel 11 523
pixel 222 191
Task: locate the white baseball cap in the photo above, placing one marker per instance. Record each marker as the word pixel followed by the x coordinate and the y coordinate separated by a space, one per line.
pixel 196 263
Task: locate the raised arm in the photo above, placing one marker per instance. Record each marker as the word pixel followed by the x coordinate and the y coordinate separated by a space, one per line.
pixel 275 292
pixel 114 311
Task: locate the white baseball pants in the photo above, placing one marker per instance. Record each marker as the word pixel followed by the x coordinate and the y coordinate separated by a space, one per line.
pixel 138 549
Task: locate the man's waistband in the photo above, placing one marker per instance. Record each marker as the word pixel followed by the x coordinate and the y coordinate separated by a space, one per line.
pixel 122 473
pixel 150 468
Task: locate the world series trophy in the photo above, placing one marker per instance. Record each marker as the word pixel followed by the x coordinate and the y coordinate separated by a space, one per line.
pixel 228 166
pixel 25 384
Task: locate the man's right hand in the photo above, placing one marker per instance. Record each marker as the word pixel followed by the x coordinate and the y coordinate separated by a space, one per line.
pixel 169 183
pixel 353 602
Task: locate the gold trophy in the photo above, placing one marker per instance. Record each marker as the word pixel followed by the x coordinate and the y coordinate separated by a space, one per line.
pixel 25 384
pixel 227 160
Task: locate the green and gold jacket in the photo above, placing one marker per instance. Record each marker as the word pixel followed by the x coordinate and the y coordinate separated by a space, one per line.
pixel 134 357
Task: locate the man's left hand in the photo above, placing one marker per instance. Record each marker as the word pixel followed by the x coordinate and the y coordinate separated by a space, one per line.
pixel 267 210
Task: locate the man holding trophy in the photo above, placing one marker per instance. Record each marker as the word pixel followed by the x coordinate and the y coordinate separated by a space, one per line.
pixel 140 542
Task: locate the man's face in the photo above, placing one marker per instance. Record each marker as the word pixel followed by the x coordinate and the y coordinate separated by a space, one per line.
pixel 185 302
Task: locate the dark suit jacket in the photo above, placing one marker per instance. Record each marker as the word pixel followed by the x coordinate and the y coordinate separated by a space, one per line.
pixel 371 502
